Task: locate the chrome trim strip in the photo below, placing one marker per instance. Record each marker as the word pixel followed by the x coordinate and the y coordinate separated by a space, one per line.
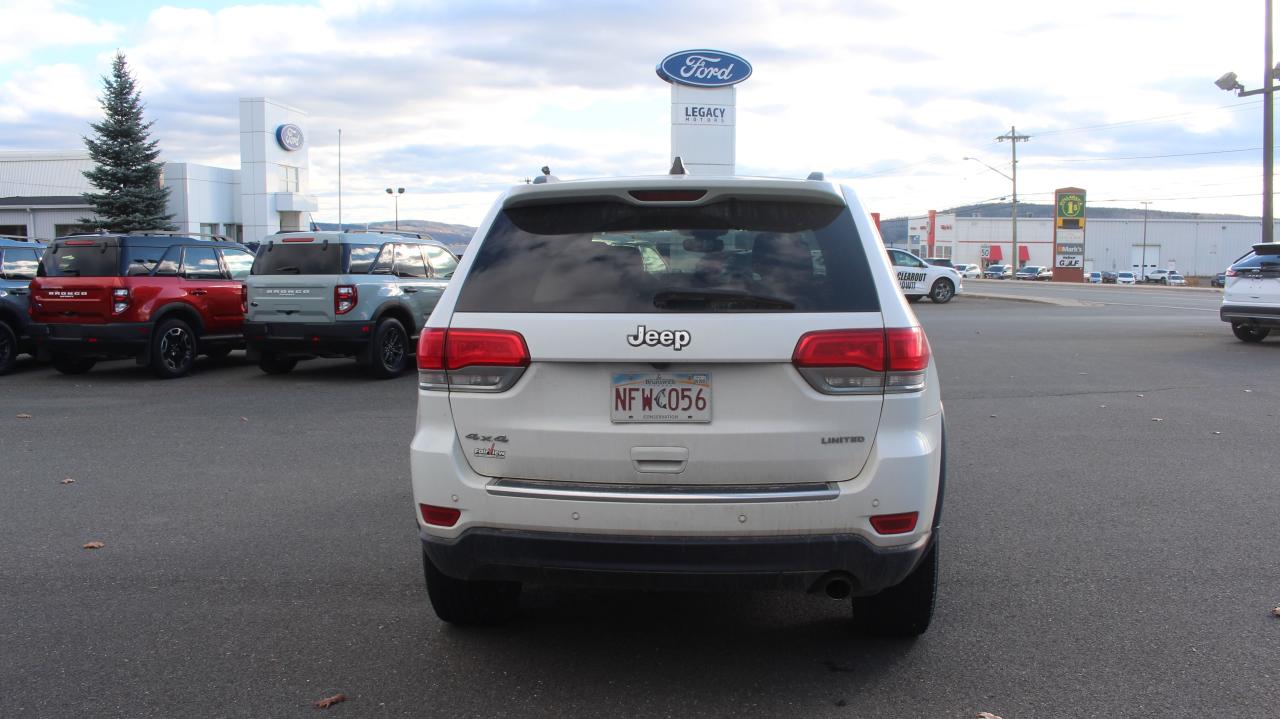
pixel 664 493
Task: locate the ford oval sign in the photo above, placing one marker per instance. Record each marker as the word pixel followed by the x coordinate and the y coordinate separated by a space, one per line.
pixel 704 68
pixel 289 137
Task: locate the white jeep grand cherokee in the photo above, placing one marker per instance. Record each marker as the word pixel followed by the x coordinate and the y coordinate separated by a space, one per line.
pixel 678 382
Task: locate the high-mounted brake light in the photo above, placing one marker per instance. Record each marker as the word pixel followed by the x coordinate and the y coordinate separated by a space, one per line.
pixel 345 298
pixel 473 360
pixel 119 300
pixel 298 239
pixel 863 361
pixel 668 195
pixel 78 243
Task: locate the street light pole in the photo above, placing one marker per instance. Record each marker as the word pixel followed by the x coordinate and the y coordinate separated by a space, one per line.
pixel 1014 138
pixel 1142 270
pixel 396 194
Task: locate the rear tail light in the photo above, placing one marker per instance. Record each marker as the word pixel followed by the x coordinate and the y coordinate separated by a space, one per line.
pixel 895 523
pixel 471 360
pixel 344 299
pixel 439 516
pixel 244 299
pixel 864 361
pixel 119 300
pixel 1231 272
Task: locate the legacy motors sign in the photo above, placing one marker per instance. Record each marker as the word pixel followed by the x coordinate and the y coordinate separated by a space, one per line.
pixel 704 68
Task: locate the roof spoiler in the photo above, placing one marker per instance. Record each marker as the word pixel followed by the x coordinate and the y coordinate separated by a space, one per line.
pixel 1267 248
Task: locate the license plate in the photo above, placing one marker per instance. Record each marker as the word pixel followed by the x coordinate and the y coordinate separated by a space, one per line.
pixel 286 332
pixel 661 397
pixel 68 333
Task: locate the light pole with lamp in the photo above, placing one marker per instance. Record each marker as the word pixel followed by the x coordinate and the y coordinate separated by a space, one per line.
pixel 396 194
pixel 1230 83
pixel 1014 215
pixel 1142 270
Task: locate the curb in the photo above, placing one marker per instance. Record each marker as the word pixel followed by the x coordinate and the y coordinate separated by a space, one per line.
pixel 1034 299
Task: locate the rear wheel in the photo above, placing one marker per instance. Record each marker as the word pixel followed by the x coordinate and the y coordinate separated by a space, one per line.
pixel 1248 333
pixel 467 603
pixel 8 348
pixel 942 291
pixel 72 365
pixel 903 610
pixel 273 363
pixel 390 356
pixel 173 349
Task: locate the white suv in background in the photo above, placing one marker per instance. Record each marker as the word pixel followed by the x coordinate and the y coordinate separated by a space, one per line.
pixel 1251 296
pixel 757 410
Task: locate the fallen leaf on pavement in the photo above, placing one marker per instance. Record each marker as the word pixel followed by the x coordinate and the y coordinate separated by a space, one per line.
pixel 329 701
pixel 1248 390
pixel 987 715
pixel 68 480
pixel 94 545
pixel 1276 612
pixel 244 419
pixel 1157 419
pixel 24 415
pixel 1217 433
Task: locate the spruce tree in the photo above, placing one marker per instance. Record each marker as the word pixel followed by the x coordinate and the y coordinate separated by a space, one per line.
pixel 126 171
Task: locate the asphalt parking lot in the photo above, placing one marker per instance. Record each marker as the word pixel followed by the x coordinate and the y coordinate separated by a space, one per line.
pixel 1110 550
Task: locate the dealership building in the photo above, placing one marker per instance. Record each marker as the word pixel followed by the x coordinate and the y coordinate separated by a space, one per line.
pixel 1195 247
pixel 41 193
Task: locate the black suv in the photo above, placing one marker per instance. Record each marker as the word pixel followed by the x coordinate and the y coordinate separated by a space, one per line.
pixel 18 261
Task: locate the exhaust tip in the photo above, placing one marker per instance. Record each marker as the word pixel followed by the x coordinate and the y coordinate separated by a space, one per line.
pixel 838 588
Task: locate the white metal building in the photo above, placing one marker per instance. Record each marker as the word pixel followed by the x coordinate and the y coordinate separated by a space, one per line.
pixel 1201 247
pixel 41 192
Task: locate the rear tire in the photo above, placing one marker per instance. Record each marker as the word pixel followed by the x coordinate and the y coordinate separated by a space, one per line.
pixel 8 348
pixel 390 351
pixel 173 349
pixel 904 610
pixel 72 365
pixel 942 292
pixel 468 603
pixel 1248 333
pixel 273 363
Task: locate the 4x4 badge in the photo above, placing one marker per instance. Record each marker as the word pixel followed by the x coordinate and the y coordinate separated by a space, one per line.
pixel 675 339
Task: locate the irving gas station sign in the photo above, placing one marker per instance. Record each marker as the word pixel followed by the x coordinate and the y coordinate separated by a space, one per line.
pixel 1068 235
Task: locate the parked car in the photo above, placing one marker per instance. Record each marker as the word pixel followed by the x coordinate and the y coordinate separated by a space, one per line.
pixel 161 298
pixel 918 279
pixel 997 272
pixel 1219 280
pixel 1159 276
pixel 940 262
pixel 1045 274
pixel 1125 278
pixel 969 271
pixel 343 294
pixel 1109 278
pixel 1093 278
pixel 1028 272
pixel 18 262
pixel 583 418
pixel 1251 298
pixel 1175 280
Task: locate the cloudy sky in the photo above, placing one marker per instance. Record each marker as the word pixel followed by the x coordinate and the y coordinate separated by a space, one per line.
pixel 455 100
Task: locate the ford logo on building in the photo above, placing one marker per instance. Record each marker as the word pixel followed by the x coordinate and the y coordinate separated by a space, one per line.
pixel 290 137
pixel 704 68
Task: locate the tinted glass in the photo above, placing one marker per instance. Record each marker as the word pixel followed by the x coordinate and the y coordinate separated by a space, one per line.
pixel 19 264
pixel 238 263
pixel 902 259
pixel 170 263
pixel 303 258
pixel 1255 261
pixel 142 259
pixel 442 263
pixel 201 263
pixel 409 261
pixel 360 258
pixel 98 259
pixel 737 255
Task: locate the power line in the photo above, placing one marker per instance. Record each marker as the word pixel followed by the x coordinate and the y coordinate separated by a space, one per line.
pixel 1152 157
pixel 1158 118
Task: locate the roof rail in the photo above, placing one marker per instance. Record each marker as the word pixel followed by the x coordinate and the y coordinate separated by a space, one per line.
pixel 22 238
pixel 402 233
pixel 177 233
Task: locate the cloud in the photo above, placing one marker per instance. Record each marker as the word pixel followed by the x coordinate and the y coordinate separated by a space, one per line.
pixel 30 26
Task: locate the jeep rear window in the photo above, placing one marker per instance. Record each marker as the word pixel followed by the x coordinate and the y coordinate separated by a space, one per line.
pixel 303 258
pixel 728 256
pixel 92 259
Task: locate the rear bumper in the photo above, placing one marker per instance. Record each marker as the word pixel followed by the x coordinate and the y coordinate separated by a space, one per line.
pixel 795 562
pixel 1256 315
pixel 118 339
pixel 304 339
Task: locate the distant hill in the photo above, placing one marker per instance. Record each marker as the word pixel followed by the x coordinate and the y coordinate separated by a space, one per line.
pixel 455 236
pixel 894 230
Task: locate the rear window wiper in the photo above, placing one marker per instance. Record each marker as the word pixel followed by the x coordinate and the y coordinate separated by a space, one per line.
pixel 287 270
pixel 721 300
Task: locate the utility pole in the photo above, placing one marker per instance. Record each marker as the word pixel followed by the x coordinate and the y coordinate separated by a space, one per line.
pixel 339 179
pixel 1142 271
pixel 1268 161
pixel 1014 138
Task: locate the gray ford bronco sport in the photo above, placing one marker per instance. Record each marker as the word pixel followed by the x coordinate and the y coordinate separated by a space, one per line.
pixel 18 261
pixel 343 294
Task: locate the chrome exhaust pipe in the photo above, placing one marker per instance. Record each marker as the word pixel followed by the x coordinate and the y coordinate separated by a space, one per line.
pixel 838 588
